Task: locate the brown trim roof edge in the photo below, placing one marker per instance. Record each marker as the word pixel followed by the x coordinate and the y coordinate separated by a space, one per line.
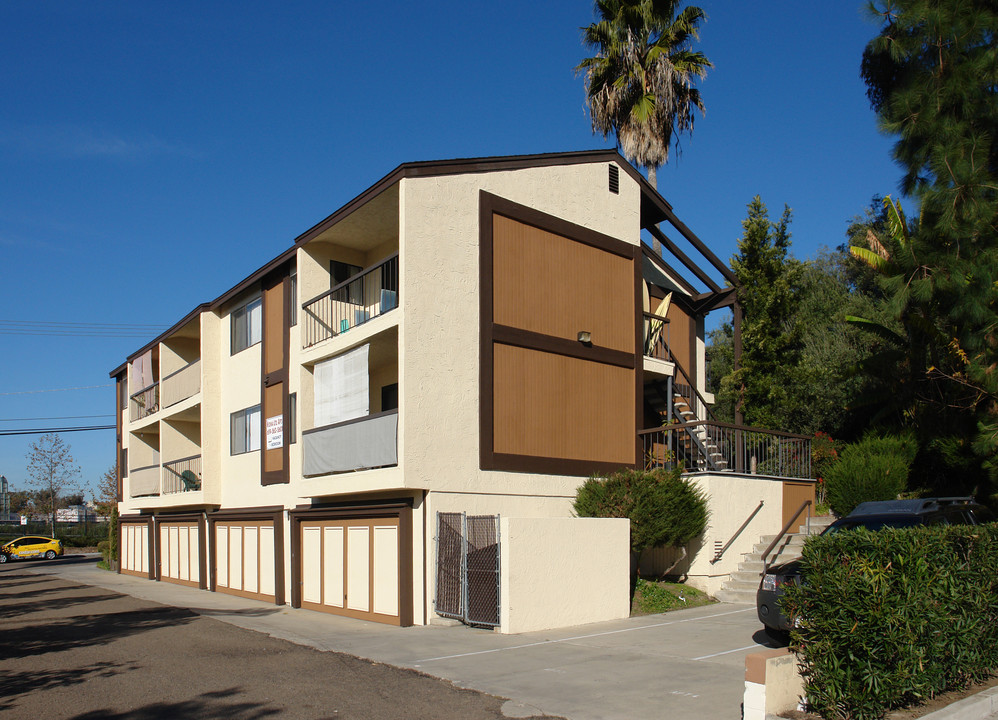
pixel 433 168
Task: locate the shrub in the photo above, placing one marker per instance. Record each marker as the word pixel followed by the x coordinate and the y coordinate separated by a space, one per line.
pixel 663 507
pixel 891 618
pixel 875 468
pixel 112 535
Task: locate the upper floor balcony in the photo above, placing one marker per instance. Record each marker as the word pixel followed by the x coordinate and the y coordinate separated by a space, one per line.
pixel 361 297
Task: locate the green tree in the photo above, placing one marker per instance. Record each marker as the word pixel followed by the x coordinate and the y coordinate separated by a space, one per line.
pixel 51 469
pixel 932 77
pixel 767 281
pixel 640 82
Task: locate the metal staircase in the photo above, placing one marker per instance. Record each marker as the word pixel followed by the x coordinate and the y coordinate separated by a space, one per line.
pixel 741 587
pixel 679 402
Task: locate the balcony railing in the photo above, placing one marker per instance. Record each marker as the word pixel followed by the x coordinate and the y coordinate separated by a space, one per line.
pixel 182 475
pixel 144 402
pixel 360 444
pixel 720 447
pixel 365 296
pixel 143 481
pixel 657 337
pixel 182 384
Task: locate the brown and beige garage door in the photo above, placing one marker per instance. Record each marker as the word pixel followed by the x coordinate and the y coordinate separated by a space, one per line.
pixel 135 548
pixel 180 550
pixel 351 568
pixel 245 558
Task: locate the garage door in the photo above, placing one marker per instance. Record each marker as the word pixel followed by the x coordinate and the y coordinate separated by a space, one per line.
pixel 351 568
pixel 135 549
pixel 180 553
pixel 244 559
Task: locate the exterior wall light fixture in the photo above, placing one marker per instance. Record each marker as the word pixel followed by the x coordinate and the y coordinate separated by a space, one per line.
pixel 585 337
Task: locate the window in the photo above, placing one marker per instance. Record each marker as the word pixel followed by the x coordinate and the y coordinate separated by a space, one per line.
pixel 245 431
pixel 246 324
pixel 390 397
pixel 293 420
pixel 340 272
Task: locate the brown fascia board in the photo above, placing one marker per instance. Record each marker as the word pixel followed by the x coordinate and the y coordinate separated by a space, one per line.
pixel 715 300
pixel 431 168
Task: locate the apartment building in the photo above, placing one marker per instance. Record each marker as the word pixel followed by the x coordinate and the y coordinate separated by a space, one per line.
pixel 464 337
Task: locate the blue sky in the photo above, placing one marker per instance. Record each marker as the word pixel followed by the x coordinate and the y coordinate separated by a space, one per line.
pixel 137 136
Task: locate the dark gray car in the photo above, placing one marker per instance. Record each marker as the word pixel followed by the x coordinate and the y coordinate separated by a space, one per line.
pixel 872 516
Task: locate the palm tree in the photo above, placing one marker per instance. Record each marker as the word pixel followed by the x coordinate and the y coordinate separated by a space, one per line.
pixel 639 84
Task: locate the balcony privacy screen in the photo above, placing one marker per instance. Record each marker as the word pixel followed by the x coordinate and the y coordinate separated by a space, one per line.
pixel 369 443
pixel 142 375
pixel 341 388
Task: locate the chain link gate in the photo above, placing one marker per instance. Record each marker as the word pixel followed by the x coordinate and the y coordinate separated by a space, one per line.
pixel 468 568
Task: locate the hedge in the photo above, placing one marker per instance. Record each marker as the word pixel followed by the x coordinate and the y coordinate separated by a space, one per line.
pixel 889 619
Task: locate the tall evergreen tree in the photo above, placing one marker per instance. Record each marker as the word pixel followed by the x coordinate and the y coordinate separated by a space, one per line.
pixel 767 291
pixel 932 77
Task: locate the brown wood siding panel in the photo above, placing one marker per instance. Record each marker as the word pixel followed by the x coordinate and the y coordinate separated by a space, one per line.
pixel 679 329
pixel 555 406
pixel 794 495
pixel 274 369
pixel 273 328
pixel 552 285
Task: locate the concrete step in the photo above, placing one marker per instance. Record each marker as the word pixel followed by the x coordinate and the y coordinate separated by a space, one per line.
pixel 736 596
pixel 745 576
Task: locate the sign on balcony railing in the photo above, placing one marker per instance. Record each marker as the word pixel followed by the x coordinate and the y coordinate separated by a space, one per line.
pixel 182 475
pixel 720 447
pixel 365 296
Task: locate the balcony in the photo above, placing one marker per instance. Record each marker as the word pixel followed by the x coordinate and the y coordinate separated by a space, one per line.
pixel 182 475
pixel 363 443
pixel 182 384
pixel 657 338
pixel 144 481
pixel 363 297
pixel 144 402
pixel 710 446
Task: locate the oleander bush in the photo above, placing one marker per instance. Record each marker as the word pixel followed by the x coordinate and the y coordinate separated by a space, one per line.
pixel 889 619
pixel 875 468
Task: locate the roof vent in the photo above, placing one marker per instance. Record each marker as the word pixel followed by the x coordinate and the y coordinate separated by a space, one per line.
pixel 614 179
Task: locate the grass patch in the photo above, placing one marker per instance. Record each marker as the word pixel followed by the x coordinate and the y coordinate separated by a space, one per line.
pixel 658 596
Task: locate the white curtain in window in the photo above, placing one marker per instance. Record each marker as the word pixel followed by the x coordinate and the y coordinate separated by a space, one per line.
pixel 341 387
pixel 253 430
pixel 142 376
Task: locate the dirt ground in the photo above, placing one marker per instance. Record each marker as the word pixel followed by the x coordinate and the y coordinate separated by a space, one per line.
pixel 73 651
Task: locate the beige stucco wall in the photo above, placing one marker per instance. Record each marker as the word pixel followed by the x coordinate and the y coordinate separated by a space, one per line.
pixel 558 572
pixel 731 500
pixel 439 333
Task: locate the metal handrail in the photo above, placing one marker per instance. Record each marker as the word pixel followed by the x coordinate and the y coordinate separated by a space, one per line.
pixel 717 423
pixel 806 505
pixel 352 279
pixel 701 398
pixel 719 553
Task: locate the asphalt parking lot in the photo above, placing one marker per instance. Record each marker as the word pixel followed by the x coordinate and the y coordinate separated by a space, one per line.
pixel 75 651
pixel 688 663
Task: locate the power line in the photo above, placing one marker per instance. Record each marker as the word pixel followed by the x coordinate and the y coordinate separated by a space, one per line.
pixel 55 417
pixel 33 392
pixel 42 431
pixel 46 323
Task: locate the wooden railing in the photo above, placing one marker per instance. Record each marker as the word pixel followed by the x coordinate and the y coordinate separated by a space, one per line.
pixel 368 294
pixel 721 447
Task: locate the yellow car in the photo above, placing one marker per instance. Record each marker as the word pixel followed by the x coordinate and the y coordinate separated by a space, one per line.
pixel 31 546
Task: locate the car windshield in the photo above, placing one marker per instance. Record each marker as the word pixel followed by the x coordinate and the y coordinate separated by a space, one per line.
pixel 874 523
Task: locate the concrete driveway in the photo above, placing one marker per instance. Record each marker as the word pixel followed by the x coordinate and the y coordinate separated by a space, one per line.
pixel 688 663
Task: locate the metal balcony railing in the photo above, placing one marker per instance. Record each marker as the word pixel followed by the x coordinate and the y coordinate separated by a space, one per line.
pixel 720 447
pixel 144 402
pixel 368 294
pixel 182 475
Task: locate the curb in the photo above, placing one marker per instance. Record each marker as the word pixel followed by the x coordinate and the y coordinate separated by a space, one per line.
pixel 976 707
